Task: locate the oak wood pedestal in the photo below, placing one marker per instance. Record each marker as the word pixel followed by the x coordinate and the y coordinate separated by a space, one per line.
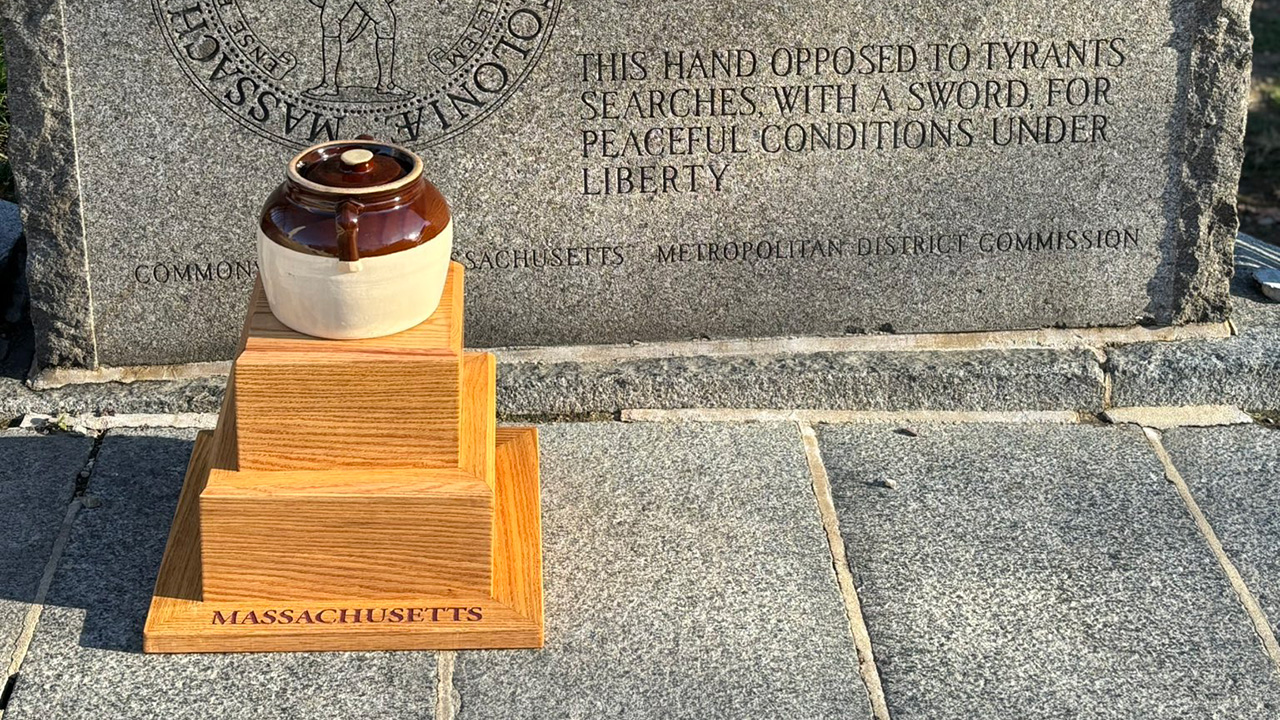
pixel 356 495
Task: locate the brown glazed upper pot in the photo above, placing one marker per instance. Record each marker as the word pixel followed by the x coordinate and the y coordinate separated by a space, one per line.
pixel 353 199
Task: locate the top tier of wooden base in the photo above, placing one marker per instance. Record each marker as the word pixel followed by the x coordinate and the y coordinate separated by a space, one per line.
pixel 298 402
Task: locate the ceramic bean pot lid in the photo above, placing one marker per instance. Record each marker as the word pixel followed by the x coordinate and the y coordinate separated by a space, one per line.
pixel 355 168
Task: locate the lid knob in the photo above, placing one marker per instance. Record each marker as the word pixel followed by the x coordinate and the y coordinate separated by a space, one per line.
pixel 356 157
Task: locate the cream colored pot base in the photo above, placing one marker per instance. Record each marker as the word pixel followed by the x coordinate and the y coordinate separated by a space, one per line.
pixel 370 298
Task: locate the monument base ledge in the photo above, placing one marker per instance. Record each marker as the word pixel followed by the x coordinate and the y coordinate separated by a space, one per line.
pixel 1041 339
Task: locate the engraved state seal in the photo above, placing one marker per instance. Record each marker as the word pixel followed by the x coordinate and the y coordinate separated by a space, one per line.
pixel 412 72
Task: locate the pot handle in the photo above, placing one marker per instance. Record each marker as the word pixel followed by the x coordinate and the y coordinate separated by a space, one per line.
pixel 348 222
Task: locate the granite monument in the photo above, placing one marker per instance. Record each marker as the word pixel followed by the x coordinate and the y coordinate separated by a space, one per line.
pixel 623 172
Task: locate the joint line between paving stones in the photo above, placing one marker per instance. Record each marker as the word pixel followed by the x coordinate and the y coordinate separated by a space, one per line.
pixel 859 417
pixel 100 423
pixel 82 478
pixel 446 708
pixel 34 612
pixel 32 618
pixel 844 577
pixel 1243 593
pixel 1108 380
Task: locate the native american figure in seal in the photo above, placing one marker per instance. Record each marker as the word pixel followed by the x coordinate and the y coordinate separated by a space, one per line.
pixel 339 15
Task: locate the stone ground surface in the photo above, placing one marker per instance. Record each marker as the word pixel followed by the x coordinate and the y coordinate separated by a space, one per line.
pixel 1043 566
pixel 1013 570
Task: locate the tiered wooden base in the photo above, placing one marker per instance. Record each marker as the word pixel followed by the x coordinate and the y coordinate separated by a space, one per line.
pixel 355 496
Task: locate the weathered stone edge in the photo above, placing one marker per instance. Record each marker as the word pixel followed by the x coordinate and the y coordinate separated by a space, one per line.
pixel 978 380
pixel 43 154
pixel 961 381
pixel 1243 371
pixel 200 395
pixel 1212 148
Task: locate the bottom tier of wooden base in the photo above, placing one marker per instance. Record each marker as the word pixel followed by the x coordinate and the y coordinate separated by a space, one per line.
pixel 180 622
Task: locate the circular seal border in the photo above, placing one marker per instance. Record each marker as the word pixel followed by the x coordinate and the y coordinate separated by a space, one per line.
pixel 553 17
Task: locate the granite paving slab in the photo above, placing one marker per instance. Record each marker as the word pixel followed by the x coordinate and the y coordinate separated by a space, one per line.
pixel 86 662
pixel 687 576
pixel 1234 475
pixel 1025 571
pixel 37 481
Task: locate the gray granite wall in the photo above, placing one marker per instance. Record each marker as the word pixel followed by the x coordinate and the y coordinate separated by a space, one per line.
pixel 146 136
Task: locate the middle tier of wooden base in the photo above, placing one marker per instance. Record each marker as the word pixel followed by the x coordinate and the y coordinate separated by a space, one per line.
pixel 506 613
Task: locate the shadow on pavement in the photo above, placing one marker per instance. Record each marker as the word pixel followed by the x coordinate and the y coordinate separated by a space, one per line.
pixel 37 480
pixel 109 565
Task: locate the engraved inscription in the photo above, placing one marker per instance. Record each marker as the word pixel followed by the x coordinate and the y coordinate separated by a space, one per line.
pixel 680 120
pixel 347 616
pixel 684 122
pixel 854 248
